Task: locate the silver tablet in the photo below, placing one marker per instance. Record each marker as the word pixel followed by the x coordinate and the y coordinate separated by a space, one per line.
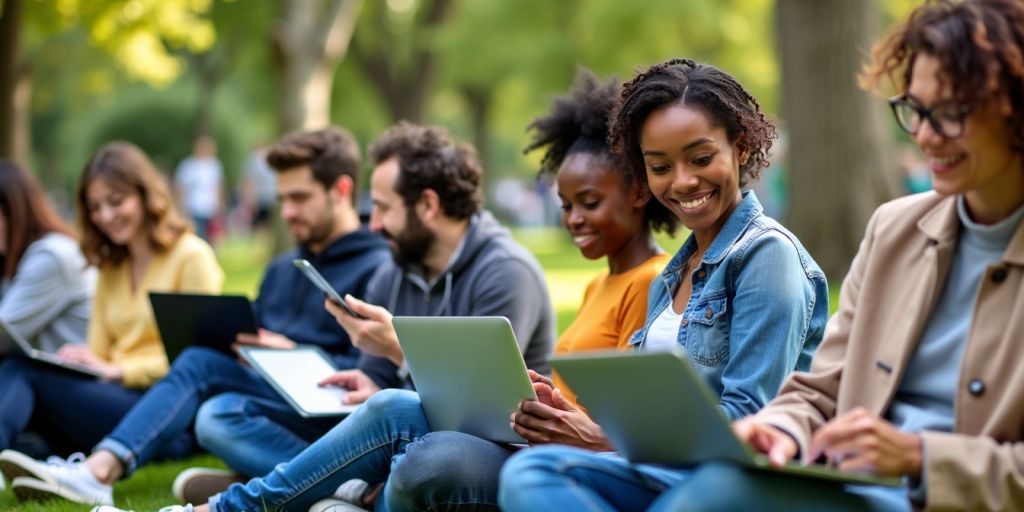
pixel 295 374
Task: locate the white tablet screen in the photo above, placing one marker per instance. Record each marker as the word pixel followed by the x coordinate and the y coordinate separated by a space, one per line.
pixel 296 373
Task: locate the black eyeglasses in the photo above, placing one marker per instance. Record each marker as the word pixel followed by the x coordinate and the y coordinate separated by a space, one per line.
pixel 947 120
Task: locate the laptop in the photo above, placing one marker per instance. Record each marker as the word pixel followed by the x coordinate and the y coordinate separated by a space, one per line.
pixel 655 408
pixel 187 319
pixel 35 354
pixel 295 374
pixel 468 371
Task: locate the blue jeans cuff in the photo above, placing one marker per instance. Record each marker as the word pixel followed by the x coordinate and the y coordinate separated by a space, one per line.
pixel 121 452
pixel 213 503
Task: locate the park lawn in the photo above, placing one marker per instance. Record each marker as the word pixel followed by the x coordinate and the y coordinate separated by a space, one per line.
pixel 566 271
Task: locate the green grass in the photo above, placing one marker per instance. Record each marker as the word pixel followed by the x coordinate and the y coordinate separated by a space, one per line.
pixel 567 274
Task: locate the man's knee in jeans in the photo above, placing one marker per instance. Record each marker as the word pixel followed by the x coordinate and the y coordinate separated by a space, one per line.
pixel 217 419
pixel 447 467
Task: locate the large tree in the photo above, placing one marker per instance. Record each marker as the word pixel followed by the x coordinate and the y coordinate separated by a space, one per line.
pixel 839 161
pixel 310 40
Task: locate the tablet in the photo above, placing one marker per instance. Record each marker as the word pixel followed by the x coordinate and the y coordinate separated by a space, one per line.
pixel 468 372
pixel 189 319
pixel 295 374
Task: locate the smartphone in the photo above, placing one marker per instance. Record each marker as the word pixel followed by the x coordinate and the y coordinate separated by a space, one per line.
pixel 312 274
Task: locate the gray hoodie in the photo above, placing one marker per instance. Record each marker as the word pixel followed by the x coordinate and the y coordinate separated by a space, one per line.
pixel 492 275
pixel 49 299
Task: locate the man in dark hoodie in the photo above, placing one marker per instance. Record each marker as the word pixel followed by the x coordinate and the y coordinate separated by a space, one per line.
pixel 243 420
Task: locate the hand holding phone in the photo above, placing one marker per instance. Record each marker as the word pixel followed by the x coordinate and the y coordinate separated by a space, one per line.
pixel 318 279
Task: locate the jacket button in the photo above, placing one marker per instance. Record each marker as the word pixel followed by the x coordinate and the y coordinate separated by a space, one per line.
pixel 976 387
pixel 683 322
pixel 708 313
pixel 701 274
pixel 998 275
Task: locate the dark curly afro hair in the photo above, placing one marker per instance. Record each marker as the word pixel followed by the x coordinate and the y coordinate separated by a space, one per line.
pixel 713 91
pixel 578 123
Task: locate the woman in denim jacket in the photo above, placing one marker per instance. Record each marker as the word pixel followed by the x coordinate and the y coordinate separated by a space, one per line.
pixel 742 298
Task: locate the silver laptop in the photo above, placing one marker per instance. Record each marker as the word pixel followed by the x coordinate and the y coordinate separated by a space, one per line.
pixel 468 371
pixel 655 408
pixel 35 354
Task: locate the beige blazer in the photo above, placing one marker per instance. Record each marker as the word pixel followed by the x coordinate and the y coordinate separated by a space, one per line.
pixel 885 301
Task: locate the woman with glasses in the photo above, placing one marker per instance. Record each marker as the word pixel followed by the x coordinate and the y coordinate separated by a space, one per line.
pixel 919 374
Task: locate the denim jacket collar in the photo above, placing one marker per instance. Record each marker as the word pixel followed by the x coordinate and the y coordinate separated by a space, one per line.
pixel 745 212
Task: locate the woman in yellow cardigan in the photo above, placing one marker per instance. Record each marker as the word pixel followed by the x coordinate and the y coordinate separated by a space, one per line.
pixel 131 232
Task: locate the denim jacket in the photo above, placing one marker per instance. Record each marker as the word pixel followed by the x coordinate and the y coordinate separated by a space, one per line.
pixel 757 311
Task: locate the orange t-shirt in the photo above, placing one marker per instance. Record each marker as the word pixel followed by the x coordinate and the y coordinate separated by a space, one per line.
pixel 613 308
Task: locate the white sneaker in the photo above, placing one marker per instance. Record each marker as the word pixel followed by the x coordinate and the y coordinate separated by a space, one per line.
pixel 197 485
pixel 335 505
pixel 172 508
pixel 68 479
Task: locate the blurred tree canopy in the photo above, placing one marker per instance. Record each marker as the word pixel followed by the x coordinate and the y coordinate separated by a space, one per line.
pixel 74 73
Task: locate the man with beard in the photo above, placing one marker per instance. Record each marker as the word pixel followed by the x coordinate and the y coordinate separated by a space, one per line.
pixel 451 258
pixel 243 419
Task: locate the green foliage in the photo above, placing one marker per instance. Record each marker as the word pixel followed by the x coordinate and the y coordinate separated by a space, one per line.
pixel 162 125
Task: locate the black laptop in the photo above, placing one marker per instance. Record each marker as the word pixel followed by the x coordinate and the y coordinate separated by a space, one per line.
pixel 187 320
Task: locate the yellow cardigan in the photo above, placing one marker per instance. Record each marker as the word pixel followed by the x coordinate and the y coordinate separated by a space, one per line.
pixel 122 329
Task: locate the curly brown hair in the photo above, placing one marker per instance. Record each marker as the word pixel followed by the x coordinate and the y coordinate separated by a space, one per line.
pixel 578 123
pixel 124 166
pixel 330 154
pixel 979 43
pixel 428 158
pixel 697 85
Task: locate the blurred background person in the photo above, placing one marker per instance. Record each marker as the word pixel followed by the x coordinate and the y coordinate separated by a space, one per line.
pixel 46 289
pixel 199 183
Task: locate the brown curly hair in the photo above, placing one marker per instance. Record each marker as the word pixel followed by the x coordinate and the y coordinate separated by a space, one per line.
pixel 979 43
pixel 702 86
pixel 124 166
pixel 27 213
pixel 428 158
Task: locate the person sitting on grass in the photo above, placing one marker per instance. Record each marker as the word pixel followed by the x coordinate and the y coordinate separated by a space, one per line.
pixel 134 236
pixel 248 424
pixel 741 298
pixel 919 375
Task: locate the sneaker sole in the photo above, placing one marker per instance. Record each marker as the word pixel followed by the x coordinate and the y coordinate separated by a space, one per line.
pixel 14 465
pixel 30 489
pixel 197 485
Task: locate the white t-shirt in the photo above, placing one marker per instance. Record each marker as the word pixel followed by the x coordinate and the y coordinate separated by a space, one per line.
pixel 199 180
pixel 663 335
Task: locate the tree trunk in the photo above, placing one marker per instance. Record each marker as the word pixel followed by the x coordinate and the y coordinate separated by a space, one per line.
pixel 10 33
pixel 309 42
pixel 478 99
pixel 839 164
pixel 404 89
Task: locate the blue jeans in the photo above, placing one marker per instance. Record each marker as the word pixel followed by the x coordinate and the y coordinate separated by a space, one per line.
pixel 252 434
pixel 562 478
pixel 387 436
pixel 168 410
pixel 78 410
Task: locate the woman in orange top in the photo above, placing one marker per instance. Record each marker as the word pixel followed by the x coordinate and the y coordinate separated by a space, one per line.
pixel 609 215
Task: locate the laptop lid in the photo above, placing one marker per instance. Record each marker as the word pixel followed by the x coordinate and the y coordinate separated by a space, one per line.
pixel 187 319
pixel 468 371
pixel 35 354
pixel 655 408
